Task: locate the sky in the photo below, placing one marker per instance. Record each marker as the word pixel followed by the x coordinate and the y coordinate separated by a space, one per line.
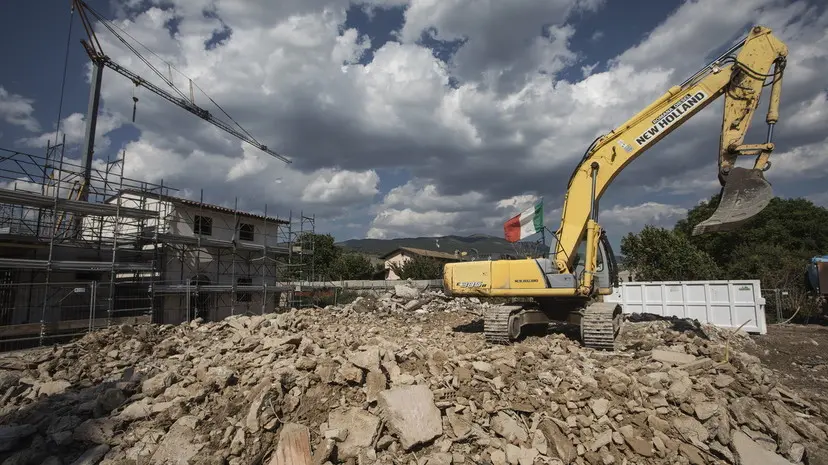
pixel 411 118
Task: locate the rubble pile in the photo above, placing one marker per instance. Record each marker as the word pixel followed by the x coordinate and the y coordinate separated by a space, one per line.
pixel 382 380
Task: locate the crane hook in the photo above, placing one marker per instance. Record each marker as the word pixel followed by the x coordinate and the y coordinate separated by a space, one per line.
pixel 134 104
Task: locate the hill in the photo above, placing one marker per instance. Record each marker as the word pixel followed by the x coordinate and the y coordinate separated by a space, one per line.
pixel 483 244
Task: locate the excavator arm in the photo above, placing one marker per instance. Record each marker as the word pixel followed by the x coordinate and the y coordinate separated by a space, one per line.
pixel 745 192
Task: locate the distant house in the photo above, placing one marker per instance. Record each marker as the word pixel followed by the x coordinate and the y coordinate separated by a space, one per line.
pixel 403 254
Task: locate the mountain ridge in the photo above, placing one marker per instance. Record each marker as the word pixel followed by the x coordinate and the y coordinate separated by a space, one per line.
pixel 484 244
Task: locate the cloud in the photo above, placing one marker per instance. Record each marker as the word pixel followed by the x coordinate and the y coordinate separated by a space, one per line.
pixel 646 213
pixel 74 128
pixel 469 140
pixel 501 45
pixel 17 110
pixel 341 187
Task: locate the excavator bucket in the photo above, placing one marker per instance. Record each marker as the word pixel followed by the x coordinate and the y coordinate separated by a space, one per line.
pixel 745 194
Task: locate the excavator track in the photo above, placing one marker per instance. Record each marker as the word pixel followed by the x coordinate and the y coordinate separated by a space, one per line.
pixel 496 323
pixel 600 324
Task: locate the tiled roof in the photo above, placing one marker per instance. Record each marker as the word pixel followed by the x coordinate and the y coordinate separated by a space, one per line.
pixel 196 203
pixel 422 252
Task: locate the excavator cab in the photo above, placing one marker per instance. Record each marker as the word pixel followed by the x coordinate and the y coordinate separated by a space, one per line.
pixel 745 193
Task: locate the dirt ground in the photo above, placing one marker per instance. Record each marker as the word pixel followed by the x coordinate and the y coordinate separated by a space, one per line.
pixel 798 353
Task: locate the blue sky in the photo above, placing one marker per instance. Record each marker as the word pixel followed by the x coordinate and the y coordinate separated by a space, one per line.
pixel 408 118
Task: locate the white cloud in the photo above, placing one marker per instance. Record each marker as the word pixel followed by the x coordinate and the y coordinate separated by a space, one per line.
pixel 74 128
pixel 341 187
pixel 17 110
pixel 474 153
pixel 502 46
pixel 646 213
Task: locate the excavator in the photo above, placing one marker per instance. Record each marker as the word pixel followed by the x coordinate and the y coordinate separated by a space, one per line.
pixel 581 268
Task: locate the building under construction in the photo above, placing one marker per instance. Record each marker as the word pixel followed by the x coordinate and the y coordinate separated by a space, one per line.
pixel 84 248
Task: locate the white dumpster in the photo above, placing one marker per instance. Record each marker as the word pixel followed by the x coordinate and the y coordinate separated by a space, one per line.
pixel 722 303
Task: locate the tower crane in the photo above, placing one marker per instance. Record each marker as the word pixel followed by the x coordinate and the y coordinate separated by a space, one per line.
pixel 100 60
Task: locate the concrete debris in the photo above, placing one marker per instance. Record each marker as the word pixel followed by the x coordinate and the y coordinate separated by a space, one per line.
pixel 375 383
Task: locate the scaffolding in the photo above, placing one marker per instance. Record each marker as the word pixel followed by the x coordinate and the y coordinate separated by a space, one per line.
pixel 301 258
pixel 132 252
pixel 58 275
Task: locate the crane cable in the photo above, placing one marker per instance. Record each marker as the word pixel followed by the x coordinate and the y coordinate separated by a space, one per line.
pixel 65 67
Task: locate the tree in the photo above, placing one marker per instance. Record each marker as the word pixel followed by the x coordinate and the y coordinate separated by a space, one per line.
pixel 322 254
pixel 419 267
pixel 773 247
pixel 351 265
pixel 658 254
pixel 795 225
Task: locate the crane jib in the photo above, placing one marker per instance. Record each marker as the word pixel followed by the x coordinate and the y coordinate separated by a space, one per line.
pixel 671 116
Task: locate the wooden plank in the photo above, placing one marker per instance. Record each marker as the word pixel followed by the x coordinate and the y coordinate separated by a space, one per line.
pixel 293 447
pixel 33 329
pixel 20 330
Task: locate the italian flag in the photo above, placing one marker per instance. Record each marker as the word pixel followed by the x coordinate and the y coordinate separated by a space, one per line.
pixel 524 225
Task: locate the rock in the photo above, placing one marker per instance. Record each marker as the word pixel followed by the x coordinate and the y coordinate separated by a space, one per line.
pixel 11 435
pixel 111 399
pixel 351 373
pixel 178 445
pixel 375 383
pixel 705 410
pixel 749 452
pixel 220 377
pixel 97 431
pixel 413 305
pixel 690 428
pixel 498 457
pixel 600 407
pixel 539 442
pixel 508 428
pixel 92 456
pixel 7 380
pixel 53 387
pixel 512 454
pixel 157 384
pixel 640 446
pixel 722 381
pixel 680 390
pixel 406 292
pixel 484 367
pixel 136 410
pixel 251 421
pixel 616 376
pixel 367 359
pixel 459 425
pixel 564 449
pixel 601 440
pixel 692 454
pixel 671 357
pixel 362 428
pixel 410 412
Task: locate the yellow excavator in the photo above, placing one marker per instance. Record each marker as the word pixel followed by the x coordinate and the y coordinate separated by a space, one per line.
pixel 569 285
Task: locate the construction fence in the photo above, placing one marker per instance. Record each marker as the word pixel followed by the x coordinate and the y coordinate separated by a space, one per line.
pixel 41 314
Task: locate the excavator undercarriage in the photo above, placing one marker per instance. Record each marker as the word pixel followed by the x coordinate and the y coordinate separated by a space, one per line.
pixel 599 322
